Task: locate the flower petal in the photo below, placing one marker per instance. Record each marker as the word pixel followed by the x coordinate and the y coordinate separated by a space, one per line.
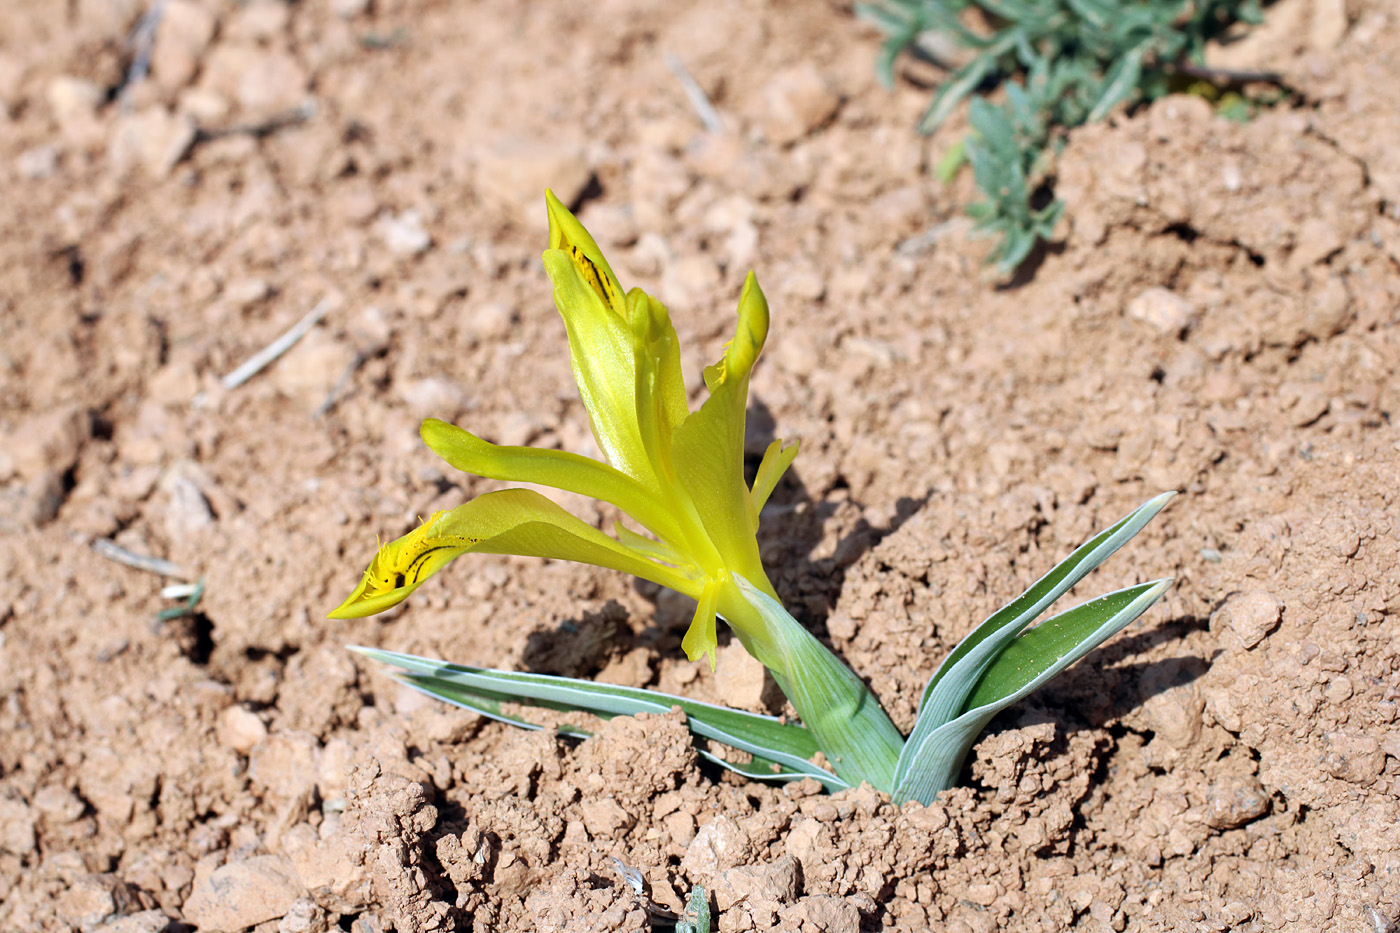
pixel 708 447
pixel 775 462
pixel 512 521
pixel 701 638
pixel 601 345
pixel 555 468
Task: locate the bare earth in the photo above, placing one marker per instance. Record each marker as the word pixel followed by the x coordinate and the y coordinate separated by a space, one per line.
pixel 1220 318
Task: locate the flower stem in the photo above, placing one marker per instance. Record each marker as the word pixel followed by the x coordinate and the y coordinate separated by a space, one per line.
pixel 858 738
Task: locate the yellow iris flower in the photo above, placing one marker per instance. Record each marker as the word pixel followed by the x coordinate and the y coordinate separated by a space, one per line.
pixel 679 474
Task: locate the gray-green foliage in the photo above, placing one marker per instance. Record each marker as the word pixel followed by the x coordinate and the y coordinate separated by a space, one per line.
pixel 999 663
pixel 1061 63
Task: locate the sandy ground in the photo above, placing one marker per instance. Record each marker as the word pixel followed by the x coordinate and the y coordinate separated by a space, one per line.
pixel 1219 317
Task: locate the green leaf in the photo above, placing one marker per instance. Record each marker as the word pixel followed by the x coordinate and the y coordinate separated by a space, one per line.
pixel 933 762
pixel 951 92
pixel 483 689
pixel 1120 81
pixel 946 695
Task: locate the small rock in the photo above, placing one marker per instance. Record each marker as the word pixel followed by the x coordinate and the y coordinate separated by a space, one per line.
pixel 305 916
pixel 490 321
pixel 259 20
pixel 403 234
pixel 1165 311
pixel 240 729
pixel 604 817
pixel 48 442
pixel 41 498
pixel 720 844
pixel 1235 801
pixel 1358 759
pixel 187 512
pixel 514 173
pixel 262 81
pixel 797 101
pixel 349 9
pixel 143 921
pixel 690 281
pixel 438 398
pixel 58 804
pixel 1252 615
pixel 153 138
pixel 73 99
pixel 742 680
pixel 244 893
pixel 285 764
pixel 16 827
pixel 185 30
pixel 37 163
pixel 828 914
pixel 778 881
pixel 91 900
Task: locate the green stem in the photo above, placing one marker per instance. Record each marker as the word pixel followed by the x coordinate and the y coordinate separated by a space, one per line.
pixel 857 737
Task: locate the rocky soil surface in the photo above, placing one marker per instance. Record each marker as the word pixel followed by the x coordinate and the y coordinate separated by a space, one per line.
pixel 1219 317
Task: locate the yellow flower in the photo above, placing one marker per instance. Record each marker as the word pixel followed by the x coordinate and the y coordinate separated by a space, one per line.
pixel 678 474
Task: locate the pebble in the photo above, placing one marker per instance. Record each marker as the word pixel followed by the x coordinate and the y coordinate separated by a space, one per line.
pixel 403 234
pixel 263 81
pixel 285 764
pixel 349 9
pixel 37 163
pixel 1163 310
pixel 797 101
pixel 259 20
pixel 143 921
pixel 153 138
pixel 514 173
pixel 48 440
pixel 777 881
pixel 1252 615
pixel 244 893
pixel 92 899
pixel 1353 757
pixel 1235 801
pixel 185 31
pixel 720 844
pixel 72 99
pixel 240 729
pixel 741 680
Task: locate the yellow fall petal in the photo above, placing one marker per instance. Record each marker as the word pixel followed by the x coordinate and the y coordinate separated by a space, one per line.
pixel 512 521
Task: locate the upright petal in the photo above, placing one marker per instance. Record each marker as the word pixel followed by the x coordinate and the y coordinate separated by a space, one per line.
pixel 601 344
pixel 708 448
pixel 512 521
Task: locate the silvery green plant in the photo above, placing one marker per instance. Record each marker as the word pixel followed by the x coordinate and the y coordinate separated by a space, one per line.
pixel 679 476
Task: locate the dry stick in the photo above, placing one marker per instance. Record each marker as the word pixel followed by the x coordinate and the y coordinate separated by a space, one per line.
pixel 113 551
pixel 709 116
pixel 258 361
pixel 143 41
pixel 334 395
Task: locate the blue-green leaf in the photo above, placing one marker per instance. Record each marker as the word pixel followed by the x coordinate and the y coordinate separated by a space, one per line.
pixel 933 761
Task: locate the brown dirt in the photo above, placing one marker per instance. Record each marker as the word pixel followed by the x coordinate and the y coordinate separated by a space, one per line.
pixel 1219 318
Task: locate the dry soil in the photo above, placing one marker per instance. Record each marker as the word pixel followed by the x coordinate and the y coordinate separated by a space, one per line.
pixel 1218 316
